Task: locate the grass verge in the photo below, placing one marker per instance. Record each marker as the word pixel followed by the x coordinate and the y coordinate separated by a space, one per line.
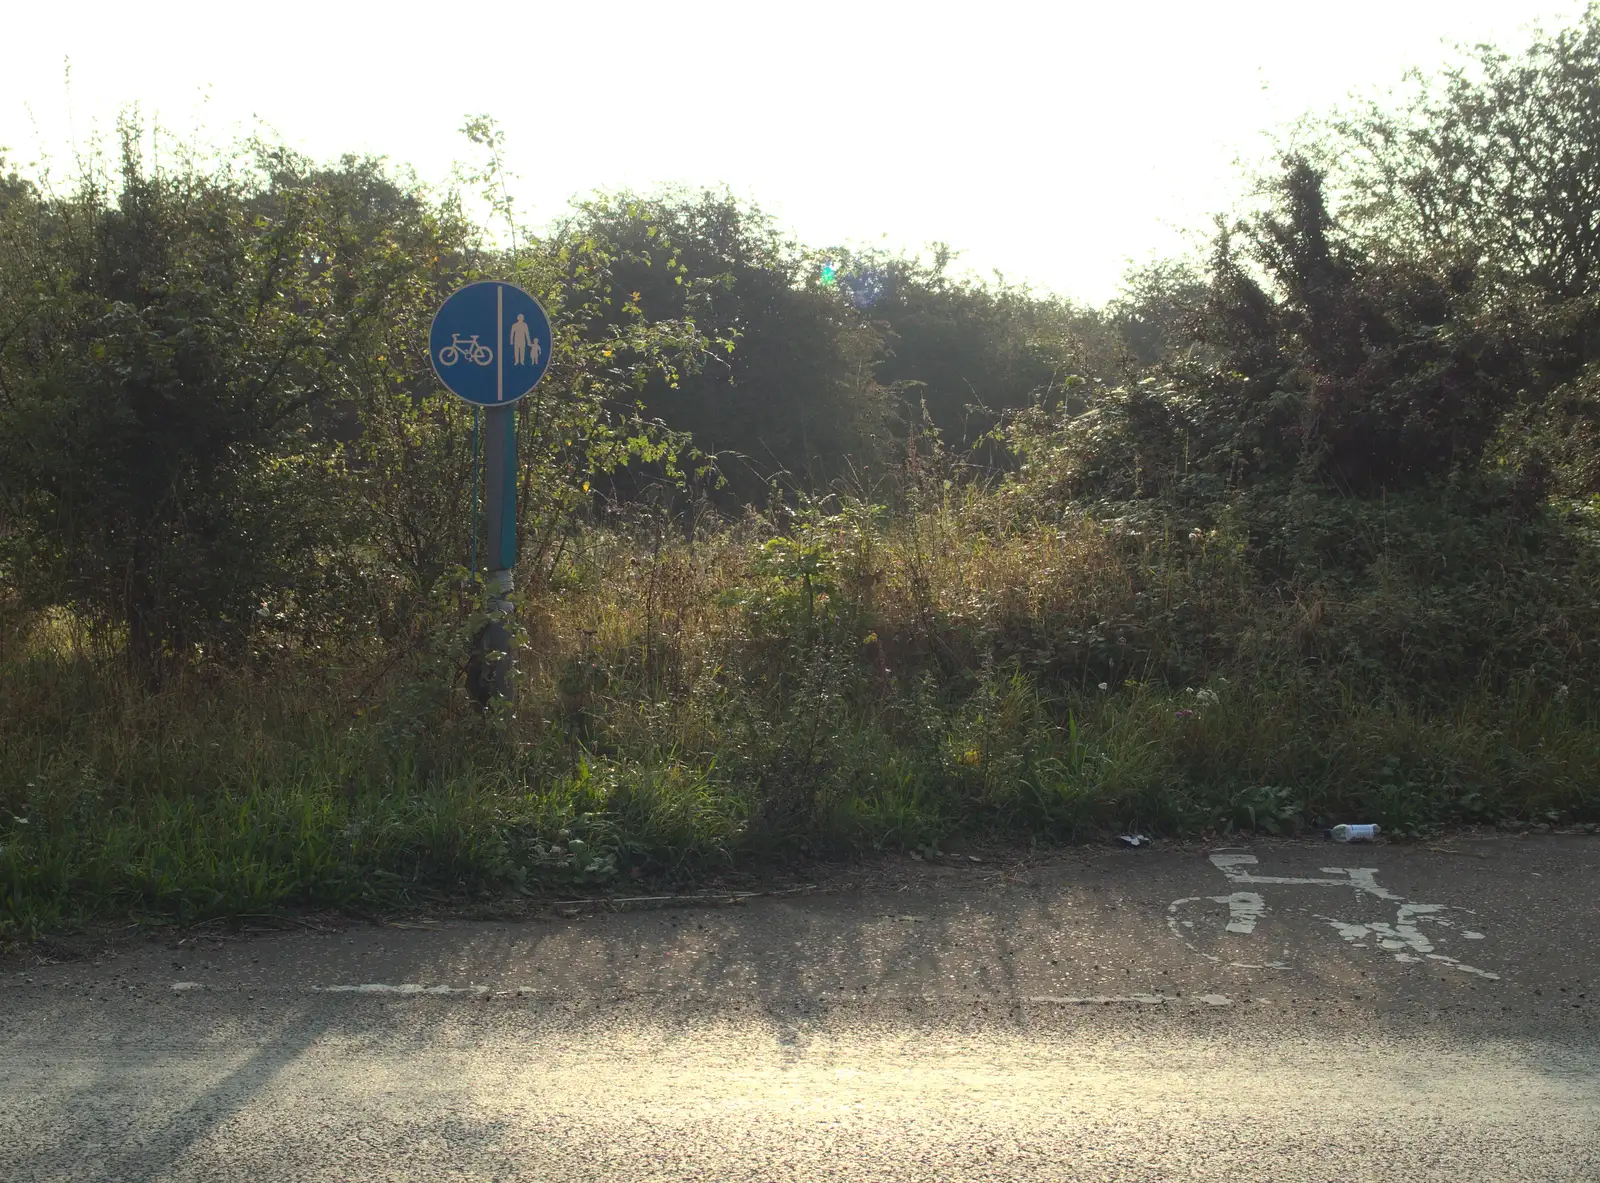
pixel 248 799
pixel 851 682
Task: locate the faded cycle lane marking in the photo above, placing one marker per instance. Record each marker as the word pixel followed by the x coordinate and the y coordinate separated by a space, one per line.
pixel 1404 939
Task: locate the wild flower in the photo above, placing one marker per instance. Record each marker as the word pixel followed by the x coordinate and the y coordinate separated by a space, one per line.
pixel 1206 697
pixel 1185 714
pixel 1105 686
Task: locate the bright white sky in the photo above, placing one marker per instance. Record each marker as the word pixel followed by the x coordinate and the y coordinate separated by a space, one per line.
pixel 1053 141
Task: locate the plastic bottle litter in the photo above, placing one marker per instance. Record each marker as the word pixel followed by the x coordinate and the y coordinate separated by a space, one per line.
pixel 1344 833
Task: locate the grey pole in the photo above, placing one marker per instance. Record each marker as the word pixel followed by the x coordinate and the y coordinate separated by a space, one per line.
pixel 489 673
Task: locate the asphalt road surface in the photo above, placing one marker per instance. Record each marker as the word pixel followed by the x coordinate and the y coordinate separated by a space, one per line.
pixel 1270 1012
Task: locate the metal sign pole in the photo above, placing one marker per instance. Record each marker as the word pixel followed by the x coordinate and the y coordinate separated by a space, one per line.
pixel 477 481
pixel 493 647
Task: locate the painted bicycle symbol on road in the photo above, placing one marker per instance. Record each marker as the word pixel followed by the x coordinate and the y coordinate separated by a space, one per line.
pixel 465 349
pixel 1409 938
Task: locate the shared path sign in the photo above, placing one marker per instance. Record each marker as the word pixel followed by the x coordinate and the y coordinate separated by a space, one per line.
pixel 490 343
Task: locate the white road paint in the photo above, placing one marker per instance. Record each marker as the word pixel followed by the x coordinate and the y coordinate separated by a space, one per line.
pixel 1404 939
pixel 1231 865
pixel 1244 909
pixel 1361 878
pixel 417 990
pixel 405 988
pixel 1133 999
pixel 1100 999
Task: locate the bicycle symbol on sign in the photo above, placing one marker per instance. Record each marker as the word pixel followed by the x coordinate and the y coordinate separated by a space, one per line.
pixel 1404 938
pixel 465 348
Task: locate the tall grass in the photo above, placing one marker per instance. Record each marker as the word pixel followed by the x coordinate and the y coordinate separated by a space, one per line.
pixel 836 680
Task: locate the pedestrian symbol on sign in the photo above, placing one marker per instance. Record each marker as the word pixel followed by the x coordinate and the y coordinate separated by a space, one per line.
pixel 523 343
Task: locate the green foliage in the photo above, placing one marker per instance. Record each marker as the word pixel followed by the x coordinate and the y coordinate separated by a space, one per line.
pixel 1355 373
pixel 1490 161
pixel 219 425
pixel 1489 171
pixel 967 352
pixel 788 386
pixel 163 351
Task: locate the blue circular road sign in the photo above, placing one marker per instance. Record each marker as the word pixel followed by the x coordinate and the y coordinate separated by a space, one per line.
pixel 490 343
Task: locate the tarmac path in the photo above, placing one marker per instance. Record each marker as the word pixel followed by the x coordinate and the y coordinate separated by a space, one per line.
pixel 1283 1011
